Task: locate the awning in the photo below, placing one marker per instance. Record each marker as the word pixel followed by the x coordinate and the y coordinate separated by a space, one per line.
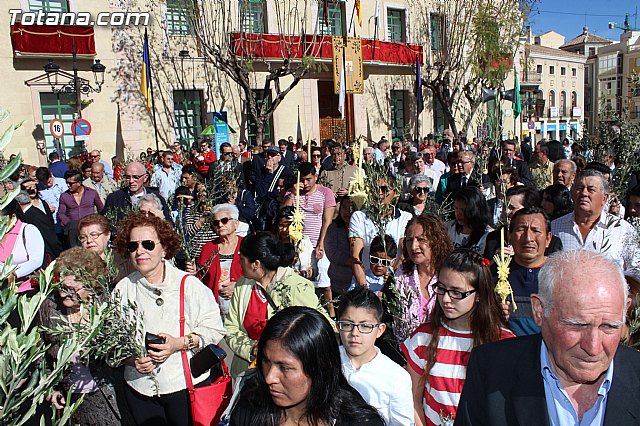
pixel 52 40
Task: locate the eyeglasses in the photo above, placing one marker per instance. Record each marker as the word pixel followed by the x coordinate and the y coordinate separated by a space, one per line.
pixel 134 177
pixel 226 153
pixel 222 221
pixel 454 294
pixel 92 235
pixel 95 156
pixel 421 189
pixel 71 183
pixel 375 260
pixel 316 155
pixel 363 327
pixel 463 162
pixel 396 147
pixel 148 245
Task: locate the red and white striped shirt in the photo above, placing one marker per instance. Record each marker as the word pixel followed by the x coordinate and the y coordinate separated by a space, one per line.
pixel 444 384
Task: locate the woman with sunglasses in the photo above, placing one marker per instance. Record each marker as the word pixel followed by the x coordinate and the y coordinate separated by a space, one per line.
pixel 467 314
pixel 219 262
pixel 419 187
pixel 156 390
pixel 268 285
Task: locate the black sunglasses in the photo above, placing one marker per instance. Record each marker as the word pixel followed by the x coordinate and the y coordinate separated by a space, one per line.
pixel 223 221
pixel 422 189
pixel 148 245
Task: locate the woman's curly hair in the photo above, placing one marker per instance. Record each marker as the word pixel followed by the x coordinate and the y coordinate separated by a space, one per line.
pixel 168 237
pixel 85 264
pixel 439 242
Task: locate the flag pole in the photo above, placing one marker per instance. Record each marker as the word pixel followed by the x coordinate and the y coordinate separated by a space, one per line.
pixel 153 101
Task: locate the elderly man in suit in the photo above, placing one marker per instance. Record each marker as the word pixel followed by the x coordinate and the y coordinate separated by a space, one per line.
pixel 574 372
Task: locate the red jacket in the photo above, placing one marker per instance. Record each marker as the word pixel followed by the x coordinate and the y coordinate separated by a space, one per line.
pixel 203 165
pixel 212 277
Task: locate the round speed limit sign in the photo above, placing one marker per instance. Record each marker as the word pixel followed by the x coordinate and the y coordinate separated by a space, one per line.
pixel 57 128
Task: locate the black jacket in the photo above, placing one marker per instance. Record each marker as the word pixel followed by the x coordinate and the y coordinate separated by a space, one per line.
pixel 44 223
pixel 504 386
pixel 120 202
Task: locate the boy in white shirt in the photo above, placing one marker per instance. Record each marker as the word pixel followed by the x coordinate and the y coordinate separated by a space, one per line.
pixel 381 382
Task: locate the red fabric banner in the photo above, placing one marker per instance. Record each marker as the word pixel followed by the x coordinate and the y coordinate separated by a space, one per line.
pixel 275 46
pixel 52 40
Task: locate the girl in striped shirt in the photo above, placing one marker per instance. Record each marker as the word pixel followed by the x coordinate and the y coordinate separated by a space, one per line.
pixel 467 314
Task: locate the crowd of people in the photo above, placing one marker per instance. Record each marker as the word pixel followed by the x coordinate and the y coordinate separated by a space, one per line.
pixel 411 295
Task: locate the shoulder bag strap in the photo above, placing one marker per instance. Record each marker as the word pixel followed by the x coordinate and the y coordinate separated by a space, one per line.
pixel 185 360
pixel 267 296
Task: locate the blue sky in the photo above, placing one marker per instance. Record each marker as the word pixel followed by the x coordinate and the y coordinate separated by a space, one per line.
pixel 567 17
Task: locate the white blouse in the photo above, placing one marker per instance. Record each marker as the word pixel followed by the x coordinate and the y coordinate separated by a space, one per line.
pixel 202 317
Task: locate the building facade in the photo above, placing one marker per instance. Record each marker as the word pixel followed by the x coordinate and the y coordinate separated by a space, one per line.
pixel 552 84
pixel 614 67
pixel 189 91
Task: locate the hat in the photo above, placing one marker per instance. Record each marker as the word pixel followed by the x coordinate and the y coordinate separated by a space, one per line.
pixel 273 150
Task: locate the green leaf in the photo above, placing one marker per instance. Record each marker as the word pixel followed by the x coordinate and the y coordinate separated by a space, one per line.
pixel 11 167
pixel 6 137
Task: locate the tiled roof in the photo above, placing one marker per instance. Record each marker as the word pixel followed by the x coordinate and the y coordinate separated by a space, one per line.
pixel 551 50
pixel 585 38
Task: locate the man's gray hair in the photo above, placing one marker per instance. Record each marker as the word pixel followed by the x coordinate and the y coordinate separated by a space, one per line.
pixel 560 265
pixel 594 173
pixel 23 198
pixel 225 207
pixel 416 179
pixel 152 199
pixel 98 165
pixel 574 167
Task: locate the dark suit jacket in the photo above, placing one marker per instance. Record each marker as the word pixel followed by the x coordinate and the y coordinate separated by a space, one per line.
pixel 288 158
pixel 44 223
pixel 120 202
pixel 523 171
pixel 504 386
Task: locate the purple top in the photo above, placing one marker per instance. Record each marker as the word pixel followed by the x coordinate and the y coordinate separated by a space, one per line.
pixel 69 210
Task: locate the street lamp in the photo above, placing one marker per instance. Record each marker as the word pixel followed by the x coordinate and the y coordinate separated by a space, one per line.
pixel 74 85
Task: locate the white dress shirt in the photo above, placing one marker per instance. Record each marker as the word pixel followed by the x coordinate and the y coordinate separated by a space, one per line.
pixel 611 236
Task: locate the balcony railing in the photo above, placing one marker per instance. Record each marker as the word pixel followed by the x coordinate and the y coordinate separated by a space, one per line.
pixel 531 77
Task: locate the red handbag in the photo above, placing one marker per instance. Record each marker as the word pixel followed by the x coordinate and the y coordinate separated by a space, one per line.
pixel 207 402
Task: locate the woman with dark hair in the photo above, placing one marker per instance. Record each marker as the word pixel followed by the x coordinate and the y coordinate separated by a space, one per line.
pixel 467 314
pixel 299 377
pixel 156 387
pixel 470 227
pixel 268 285
pixel 556 201
pixel 426 245
pixel 337 248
